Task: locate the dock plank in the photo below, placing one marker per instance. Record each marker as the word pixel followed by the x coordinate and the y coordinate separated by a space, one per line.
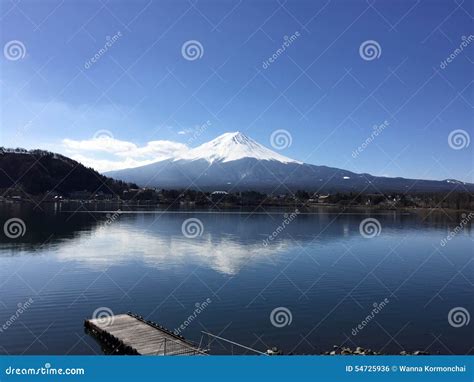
pixel 139 336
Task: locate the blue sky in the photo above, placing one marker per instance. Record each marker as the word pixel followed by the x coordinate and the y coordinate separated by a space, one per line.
pixel 149 101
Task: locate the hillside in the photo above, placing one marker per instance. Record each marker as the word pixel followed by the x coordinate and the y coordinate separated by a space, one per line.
pixel 38 172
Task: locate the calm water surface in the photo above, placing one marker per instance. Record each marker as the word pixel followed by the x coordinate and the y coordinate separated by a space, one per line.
pixel 72 261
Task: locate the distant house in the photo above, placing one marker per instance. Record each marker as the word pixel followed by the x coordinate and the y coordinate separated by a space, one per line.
pixel 102 196
pixel 217 196
pixel 52 195
pixel 323 198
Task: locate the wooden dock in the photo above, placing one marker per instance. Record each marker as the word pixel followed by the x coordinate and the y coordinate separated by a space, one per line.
pixel 131 334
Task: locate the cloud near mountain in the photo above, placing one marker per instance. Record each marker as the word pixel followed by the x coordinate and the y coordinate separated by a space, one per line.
pixel 107 153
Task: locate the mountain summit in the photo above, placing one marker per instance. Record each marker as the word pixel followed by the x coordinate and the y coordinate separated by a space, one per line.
pixel 235 162
pixel 233 146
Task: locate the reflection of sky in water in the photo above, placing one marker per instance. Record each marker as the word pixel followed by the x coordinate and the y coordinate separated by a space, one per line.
pixel 120 243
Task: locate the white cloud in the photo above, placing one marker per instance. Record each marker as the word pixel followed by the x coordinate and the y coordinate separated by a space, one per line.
pixel 109 145
pixel 107 153
pixel 188 130
pixel 104 165
pixel 157 149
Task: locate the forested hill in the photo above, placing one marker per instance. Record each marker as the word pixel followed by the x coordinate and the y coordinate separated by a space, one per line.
pixel 38 172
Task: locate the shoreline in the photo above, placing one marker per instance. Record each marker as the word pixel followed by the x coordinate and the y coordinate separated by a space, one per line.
pixel 227 207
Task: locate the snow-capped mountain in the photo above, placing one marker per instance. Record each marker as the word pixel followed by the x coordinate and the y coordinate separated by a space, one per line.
pixel 233 146
pixel 235 162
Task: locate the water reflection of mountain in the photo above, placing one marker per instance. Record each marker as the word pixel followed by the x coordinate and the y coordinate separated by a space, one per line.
pixel 119 246
pixel 228 241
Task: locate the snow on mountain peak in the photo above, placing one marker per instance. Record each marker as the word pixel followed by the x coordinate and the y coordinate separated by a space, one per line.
pixel 233 146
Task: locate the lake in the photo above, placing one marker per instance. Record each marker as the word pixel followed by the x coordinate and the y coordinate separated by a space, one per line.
pixel 300 281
